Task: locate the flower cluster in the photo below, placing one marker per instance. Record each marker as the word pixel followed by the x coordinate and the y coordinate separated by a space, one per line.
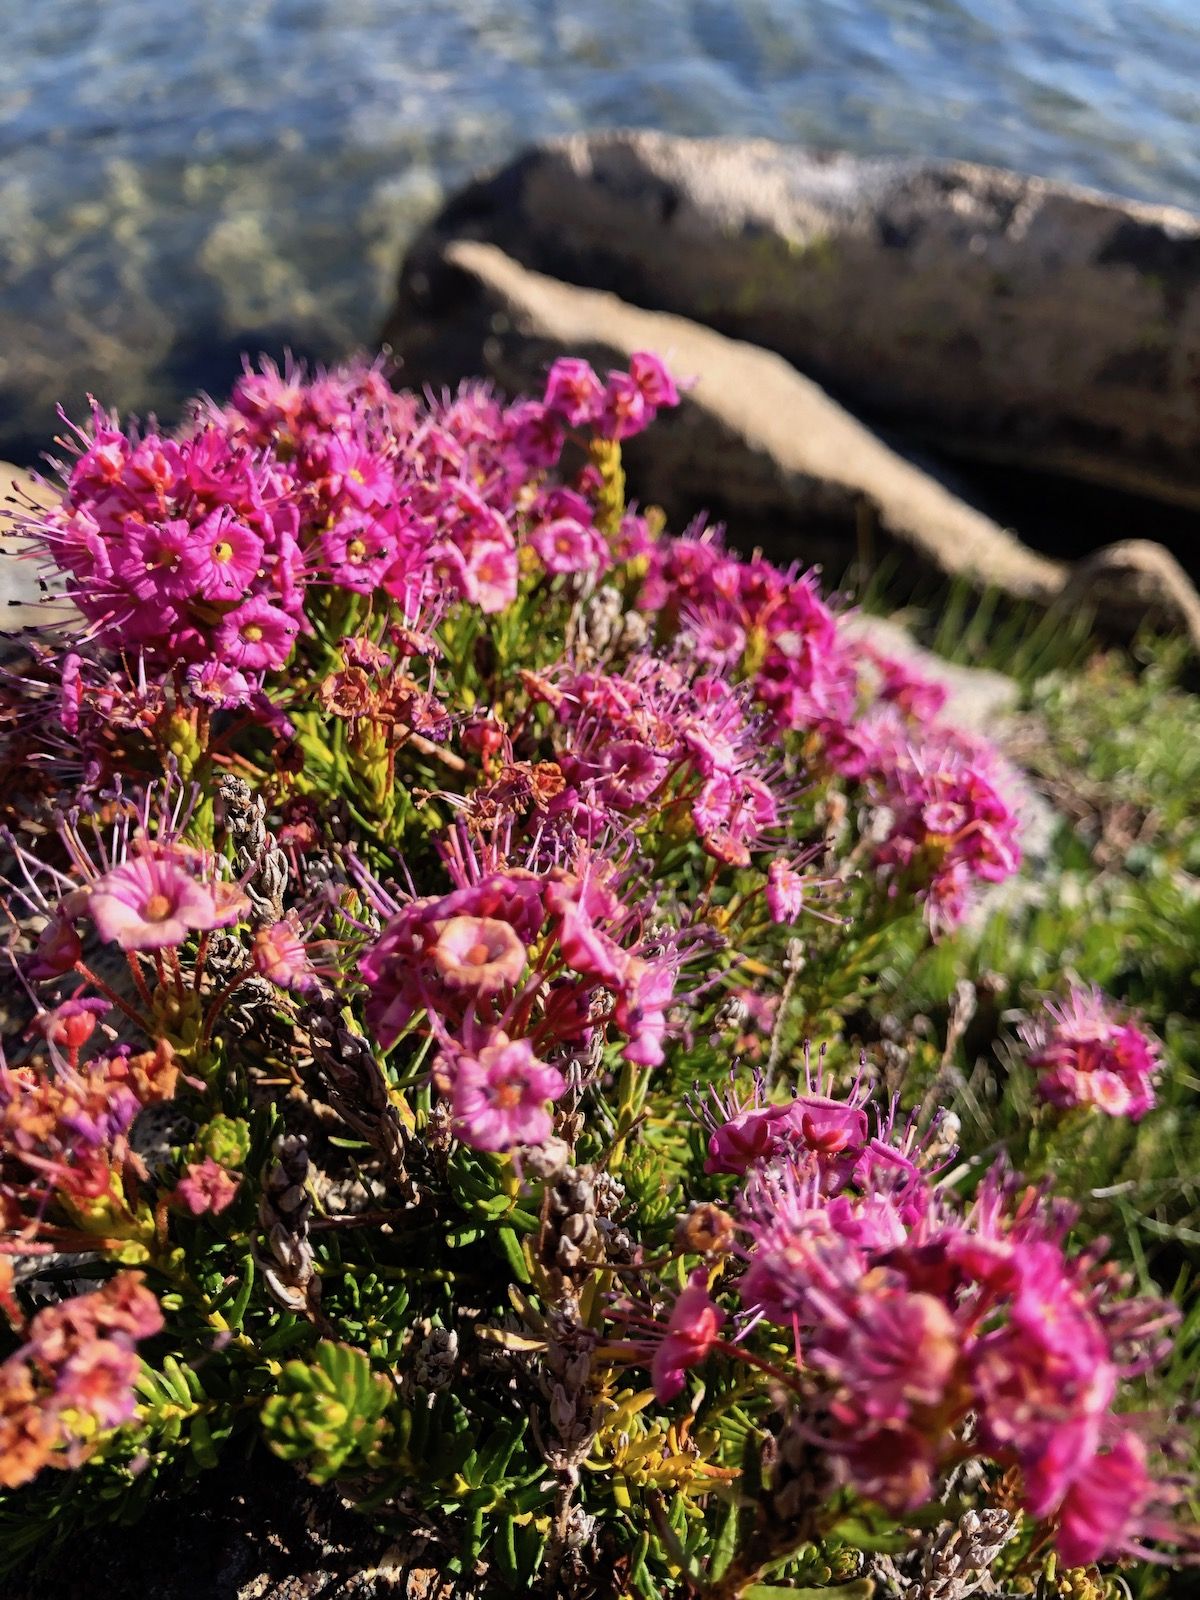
pixel 1085 1053
pixel 937 1332
pixel 516 969
pixel 410 831
pixel 657 737
pixel 72 1378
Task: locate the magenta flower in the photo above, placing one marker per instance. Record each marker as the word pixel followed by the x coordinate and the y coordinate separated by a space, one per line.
pixel 1085 1054
pixel 152 559
pixel 156 899
pixel 653 381
pixel 222 557
pixel 256 635
pixel 500 1095
pixel 1104 1505
pixel 693 1329
pixel 574 391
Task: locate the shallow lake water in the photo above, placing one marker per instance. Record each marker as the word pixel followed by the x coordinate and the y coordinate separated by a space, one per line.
pixel 180 182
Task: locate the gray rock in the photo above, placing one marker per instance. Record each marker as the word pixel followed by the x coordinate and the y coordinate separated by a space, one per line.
pixel 1004 316
pixel 756 442
pixel 753 439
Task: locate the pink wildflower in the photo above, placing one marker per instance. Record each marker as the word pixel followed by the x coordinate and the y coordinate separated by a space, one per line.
pixel 1085 1054
pixel 653 381
pixel 222 557
pixel 278 953
pixel 694 1327
pixel 206 1186
pixel 256 635
pixel 500 1096
pixel 481 954
pixel 574 391
pixel 156 899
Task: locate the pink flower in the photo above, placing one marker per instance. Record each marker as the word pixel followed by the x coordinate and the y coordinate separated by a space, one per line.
pixel 97 1380
pixel 567 546
pixel 71 1024
pixel 278 953
pixel 491 574
pixel 1085 1054
pixel 482 954
pixel 222 557
pixel 500 1096
pixel 692 1331
pixel 1102 1508
pixel 653 381
pixel 625 411
pixel 153 559
pixel 785 891
pixel 206 1186
pixel 574 391
pixel 255 636
pixel 154 900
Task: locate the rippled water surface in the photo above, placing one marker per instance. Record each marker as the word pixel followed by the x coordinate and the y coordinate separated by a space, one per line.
pixel 183 179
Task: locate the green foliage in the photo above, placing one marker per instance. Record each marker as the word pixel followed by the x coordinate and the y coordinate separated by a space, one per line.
pixel 328 1412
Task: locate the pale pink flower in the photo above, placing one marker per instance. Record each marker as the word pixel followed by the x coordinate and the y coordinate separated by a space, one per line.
pixel 278 953
pixel 480 953
pixel 206 1186
pixel 155 900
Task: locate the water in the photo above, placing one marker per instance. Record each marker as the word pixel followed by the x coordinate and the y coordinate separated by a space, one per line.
pixel 182 181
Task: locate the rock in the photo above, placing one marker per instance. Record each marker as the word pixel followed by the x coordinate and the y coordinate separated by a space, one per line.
pixel 23 601
pixel 753 439
pixel 756 442
pixel 1003 316
pixel 1136 581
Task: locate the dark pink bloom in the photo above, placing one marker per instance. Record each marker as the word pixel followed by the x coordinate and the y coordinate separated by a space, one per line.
pixel 255 636
pixel 654 382
pixel 1085 1054
pixel 222 557
pixel 694 1327
pixel 1103 1506
pixel 574 391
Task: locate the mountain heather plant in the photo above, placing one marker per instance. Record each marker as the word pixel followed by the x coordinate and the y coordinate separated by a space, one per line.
pixel 443 903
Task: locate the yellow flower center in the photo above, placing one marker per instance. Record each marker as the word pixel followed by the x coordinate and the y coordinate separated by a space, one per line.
pixel 157 908
pixel 222 551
